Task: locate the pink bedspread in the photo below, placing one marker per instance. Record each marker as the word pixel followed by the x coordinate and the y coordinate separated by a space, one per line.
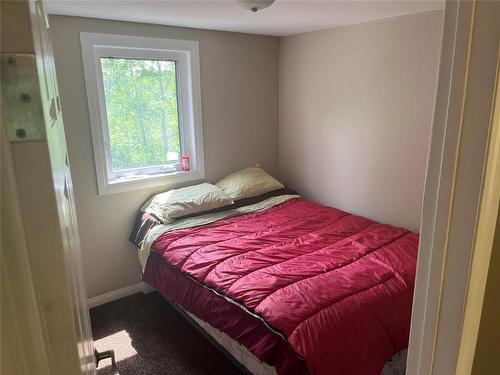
pixel 339 287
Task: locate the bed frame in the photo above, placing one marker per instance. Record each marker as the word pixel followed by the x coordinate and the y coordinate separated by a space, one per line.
pixel 210 336
pixel 232 349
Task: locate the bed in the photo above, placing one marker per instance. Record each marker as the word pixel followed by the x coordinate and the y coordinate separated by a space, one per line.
pixel 289 286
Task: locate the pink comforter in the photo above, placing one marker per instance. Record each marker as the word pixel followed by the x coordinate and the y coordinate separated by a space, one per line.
pixel 339 287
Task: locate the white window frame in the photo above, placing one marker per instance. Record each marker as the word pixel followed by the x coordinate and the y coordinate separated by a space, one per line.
pixel 186 53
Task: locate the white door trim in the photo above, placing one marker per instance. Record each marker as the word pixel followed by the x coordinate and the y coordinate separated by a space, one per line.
pixel 459 140
pixel 438 184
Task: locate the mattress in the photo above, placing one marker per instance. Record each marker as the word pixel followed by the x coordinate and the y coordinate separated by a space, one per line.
pixel 246 361
pixel 394 366
pixel 303 287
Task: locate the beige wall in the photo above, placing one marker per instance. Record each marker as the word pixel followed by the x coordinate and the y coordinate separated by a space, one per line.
pixel 488 340
pixel 355 107
pixel 239 88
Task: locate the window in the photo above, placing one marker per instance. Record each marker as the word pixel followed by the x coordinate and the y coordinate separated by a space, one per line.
pixel 145 110
pixel 142 115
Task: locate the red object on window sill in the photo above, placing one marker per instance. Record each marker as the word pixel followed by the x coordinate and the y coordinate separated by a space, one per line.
pixel 185 163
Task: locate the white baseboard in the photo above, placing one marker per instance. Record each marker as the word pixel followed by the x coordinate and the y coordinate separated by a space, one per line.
pixel 146 288
pixel 119 293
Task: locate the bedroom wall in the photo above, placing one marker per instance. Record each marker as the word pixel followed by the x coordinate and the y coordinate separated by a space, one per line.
pixel 487 346
pixel 239 84
pixel 355 109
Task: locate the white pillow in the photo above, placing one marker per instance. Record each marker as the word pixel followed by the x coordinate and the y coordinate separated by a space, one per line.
pixel 175 203
pixel 248 182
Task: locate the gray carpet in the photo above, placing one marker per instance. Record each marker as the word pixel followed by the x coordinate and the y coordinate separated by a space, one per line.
pixel 151 338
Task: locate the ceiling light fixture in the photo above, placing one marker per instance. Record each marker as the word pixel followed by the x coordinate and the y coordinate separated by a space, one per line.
pixel 255 5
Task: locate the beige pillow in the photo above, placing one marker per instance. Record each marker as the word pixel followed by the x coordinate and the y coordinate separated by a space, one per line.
pixel 175 203
pixel 248 182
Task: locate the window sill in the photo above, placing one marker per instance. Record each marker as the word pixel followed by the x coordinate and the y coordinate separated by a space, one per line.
pixel 145 182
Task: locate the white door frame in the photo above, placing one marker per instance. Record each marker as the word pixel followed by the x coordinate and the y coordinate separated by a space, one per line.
pixel 56 339
pixel 454 180
pixel 453 185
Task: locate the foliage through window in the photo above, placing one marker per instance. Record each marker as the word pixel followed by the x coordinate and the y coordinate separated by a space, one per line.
pixel 142 113
pixel 145 110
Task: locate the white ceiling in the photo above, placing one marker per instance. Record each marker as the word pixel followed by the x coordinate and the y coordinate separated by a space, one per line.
pixel 284 17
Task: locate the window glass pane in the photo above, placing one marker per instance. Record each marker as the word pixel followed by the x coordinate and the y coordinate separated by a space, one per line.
pixel 142 112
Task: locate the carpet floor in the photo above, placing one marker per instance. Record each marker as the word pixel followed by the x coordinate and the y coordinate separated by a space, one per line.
pixel 150 337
